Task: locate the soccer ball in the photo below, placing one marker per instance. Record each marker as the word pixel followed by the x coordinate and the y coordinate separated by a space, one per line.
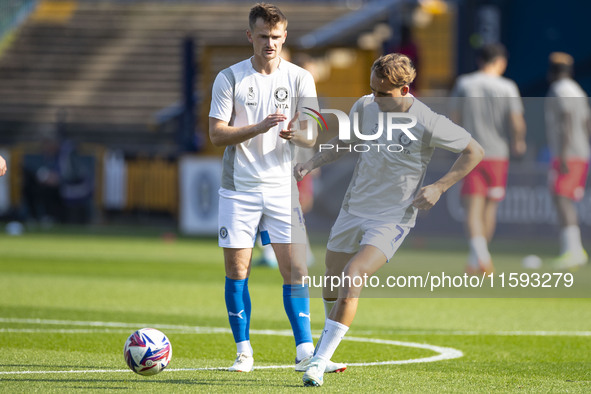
pixel 147 351
pixel 532 262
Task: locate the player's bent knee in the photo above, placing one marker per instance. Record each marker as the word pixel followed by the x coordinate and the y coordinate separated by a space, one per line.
pixel 353 276
pixel 333 271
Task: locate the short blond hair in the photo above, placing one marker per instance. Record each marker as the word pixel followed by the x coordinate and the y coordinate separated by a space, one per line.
pixel 561 63
pixel 396 67
pixel 561 58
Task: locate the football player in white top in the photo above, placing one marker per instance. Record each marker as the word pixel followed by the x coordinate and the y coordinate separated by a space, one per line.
pixel 485 103
pixel 385 192
pixel 252 102
pixel 568 126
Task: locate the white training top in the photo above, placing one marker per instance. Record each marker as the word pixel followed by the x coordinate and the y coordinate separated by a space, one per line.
pixel 242 96
pixel 565 97
pixel 385 183
pixel 485 103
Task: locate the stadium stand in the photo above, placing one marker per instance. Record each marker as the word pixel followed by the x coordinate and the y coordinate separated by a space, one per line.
pixel 106 68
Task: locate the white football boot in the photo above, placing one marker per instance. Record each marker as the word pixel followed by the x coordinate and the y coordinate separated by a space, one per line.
pixel 331 367
pixel 314 375
pixel 571 261
pixel 243 363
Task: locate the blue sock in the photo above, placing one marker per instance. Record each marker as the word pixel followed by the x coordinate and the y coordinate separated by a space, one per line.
pixel 238 306
pixel 246 301
pixel 297 306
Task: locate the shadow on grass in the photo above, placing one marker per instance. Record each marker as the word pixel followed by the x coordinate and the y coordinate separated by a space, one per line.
pixel 81 367
pixel 192 382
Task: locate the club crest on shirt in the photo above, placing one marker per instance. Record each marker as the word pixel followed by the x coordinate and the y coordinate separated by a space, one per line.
pixel 281 94
pixel 404 140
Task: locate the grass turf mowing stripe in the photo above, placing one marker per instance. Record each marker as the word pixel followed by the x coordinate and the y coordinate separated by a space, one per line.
pixel 219 330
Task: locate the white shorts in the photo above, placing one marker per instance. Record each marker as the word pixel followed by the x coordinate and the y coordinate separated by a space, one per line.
pixel 350 232
pixel 278 218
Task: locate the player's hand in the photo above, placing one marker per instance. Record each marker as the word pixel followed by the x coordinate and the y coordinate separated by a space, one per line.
pixel 2 166
pixel 272 121
pixel 518 148
pixel 427 197
pixel 288 134
pixel 300 171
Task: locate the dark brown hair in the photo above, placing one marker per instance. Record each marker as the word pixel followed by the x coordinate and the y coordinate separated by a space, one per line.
pixel 269 13
pixel 490 52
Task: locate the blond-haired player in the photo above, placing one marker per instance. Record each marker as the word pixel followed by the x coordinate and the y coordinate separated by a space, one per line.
pixel 568 126
pixel 385 193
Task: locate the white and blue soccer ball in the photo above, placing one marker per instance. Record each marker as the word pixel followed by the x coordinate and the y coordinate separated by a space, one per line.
pixel 147 351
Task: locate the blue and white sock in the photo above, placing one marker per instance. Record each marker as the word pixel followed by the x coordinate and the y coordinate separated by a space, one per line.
pixel 239 307
pixel 297 307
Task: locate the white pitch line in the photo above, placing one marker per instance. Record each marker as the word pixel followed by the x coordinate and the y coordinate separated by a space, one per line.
pixel 475 332
pixel 107 324
pixel 134 326
pixel 444 353
pixel 62 331
pixel 218 330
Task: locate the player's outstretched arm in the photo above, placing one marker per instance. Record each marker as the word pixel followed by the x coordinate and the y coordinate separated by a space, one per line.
pixel 321 158
pixel 2 166
pixel 221 134
pixel 469 158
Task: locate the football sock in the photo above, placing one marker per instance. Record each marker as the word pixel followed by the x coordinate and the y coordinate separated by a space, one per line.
pixel 244 347
pixel 296 302
pixel 473 260
pixel 247 308
pixel 304 350
pixel 479 248
pixel 238 306
pixel 328 305
pixel 333 334
pixel 570 239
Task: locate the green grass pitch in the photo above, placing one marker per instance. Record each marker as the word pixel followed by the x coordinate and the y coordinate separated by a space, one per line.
pixel 68 303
